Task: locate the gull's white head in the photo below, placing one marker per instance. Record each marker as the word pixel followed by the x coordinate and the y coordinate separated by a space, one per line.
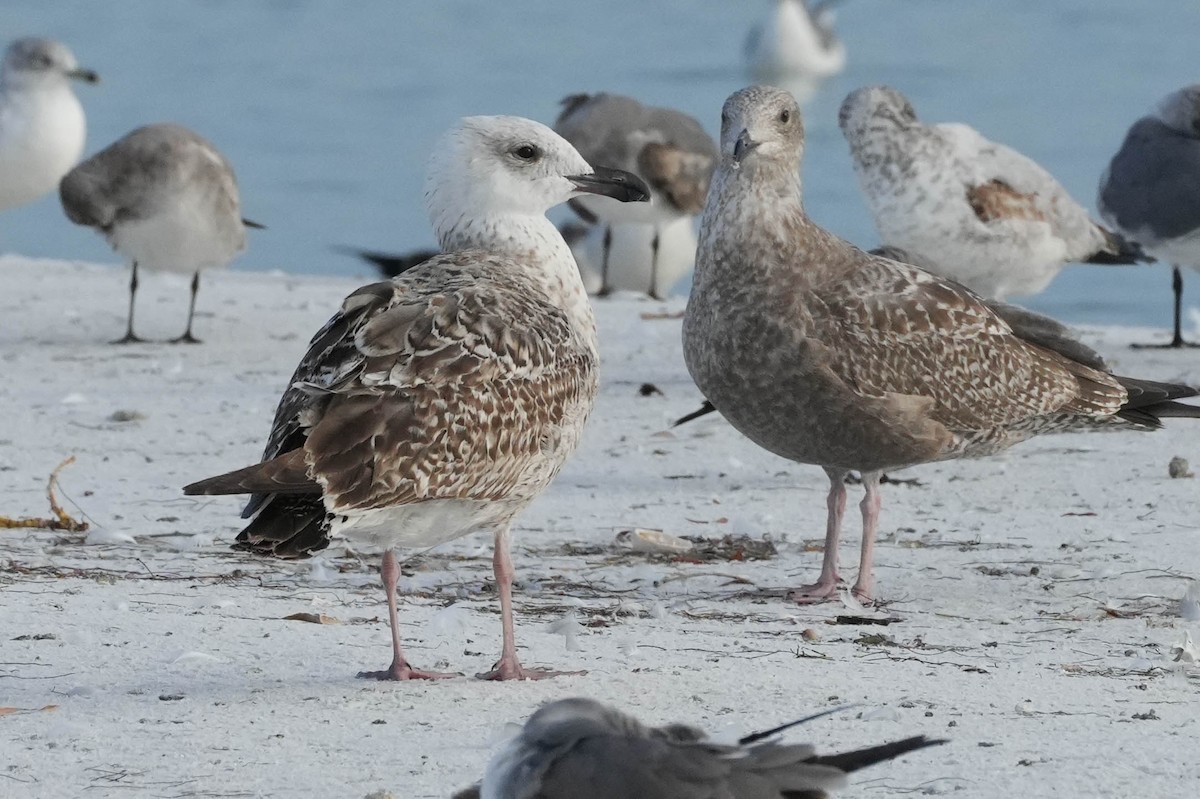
pixel 32 62
pixel 874 108
pixel 1180 111
pixel 762 125
pixel 504 166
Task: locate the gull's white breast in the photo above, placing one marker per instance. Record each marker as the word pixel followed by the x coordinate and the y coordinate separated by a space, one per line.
pixel 42 134
pixel 183 235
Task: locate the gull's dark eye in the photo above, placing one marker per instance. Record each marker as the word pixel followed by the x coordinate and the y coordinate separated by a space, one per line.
pixel 527 152
pixel 785 116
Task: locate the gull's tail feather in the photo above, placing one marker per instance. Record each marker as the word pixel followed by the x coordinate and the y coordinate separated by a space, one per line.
pixel 287 474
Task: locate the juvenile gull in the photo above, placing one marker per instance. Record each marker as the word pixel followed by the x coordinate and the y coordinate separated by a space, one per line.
pixel 796 46
pixel 965 207
pixel 1028 325
pixel 164 197
pixel 825 354
pixel 1151 189
pixel 671 152
pixel 580 749
pixel 443 401
pixel 42 127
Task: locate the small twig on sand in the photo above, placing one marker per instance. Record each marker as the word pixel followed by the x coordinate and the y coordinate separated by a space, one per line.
pixel 61 521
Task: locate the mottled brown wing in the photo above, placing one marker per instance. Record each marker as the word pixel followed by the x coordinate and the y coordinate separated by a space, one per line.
pixel 996 200
pixel 1010 186
pixel 330 360
pixel 921 336
pixel 681 175
pixel 449 396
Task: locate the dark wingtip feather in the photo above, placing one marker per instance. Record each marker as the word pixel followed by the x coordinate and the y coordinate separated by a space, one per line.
pixel 1150 401
pixel 758 736
pixel 289 526
pixel 704 409
pixel 869 756
pixel 389 264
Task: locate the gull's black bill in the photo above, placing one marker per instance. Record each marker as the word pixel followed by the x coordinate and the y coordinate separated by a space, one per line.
pixel 85 75
pixel 743 145
pixel 616 183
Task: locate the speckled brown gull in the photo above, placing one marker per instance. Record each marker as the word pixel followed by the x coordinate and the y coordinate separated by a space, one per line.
pixel 581 749
pixel 1151 189
pixel 646 247
pixel 443 401
pixel 167 199
pixel 1032 327
pixel 965 207
pixel 42 125
pixel 825 354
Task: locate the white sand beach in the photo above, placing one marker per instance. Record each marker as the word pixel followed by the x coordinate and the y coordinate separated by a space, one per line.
pixel 1034 598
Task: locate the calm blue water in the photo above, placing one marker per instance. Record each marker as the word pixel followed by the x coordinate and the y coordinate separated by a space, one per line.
pixel 328 109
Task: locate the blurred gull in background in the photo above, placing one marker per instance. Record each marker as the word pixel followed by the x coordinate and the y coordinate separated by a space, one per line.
pixel 42 126
pixel 165 198
pixel 644 247
pixel 796 47
pixel 965 207
pixel 1151 190
pixel 578 748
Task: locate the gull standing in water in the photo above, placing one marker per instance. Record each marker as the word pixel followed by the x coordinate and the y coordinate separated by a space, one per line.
pixel 967 208
pixel 580 749
pixel 165 198
pixel 645 248
pixel 42 126
pixel 1151 189
pixel 443 401
pixel 827 355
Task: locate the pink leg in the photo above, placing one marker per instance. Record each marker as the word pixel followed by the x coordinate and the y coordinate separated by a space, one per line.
pixel 508 667
pixel 827 584
pixel 399 670
pixel 864 587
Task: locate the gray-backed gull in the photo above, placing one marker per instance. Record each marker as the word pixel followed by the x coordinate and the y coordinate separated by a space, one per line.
pixel 1151 189
pixel 42 126
pixel 164 197
pixel 825 354
pixel 581 749
pixel 443 401
pixel 646 247
pixel 965 207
